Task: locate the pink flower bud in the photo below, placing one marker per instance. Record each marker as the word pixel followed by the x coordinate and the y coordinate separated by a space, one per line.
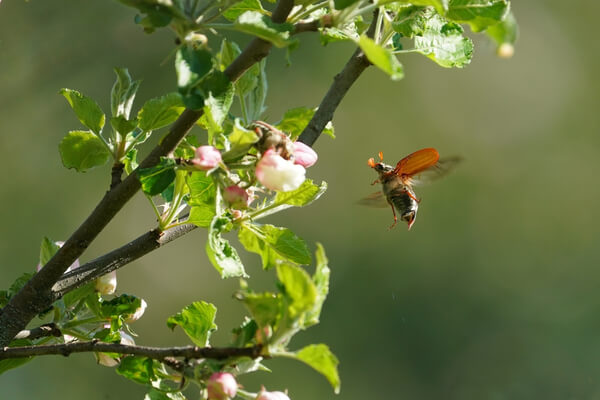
pixel 107 284
pixel 207 157
pixel 276 173
pixel 236 196
pixel 138 312
pixel 221 386
pixel 304 155
pixel 264 395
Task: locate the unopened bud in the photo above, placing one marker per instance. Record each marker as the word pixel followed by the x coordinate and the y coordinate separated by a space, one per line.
pixel 107 284
pixel 264 395
pixel 221 386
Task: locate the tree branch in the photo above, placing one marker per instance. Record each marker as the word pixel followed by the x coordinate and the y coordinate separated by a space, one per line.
pixel 157 353
pixel 36 294
pixel 341 84
pixel 117 258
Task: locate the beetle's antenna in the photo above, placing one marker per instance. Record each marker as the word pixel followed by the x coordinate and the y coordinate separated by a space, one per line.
pixel 381 155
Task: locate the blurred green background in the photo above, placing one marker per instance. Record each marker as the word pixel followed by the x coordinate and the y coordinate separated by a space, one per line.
pixel 492 295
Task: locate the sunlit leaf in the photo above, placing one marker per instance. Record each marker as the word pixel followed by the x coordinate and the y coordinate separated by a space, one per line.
pixel 320 358
pixel 197 320
pixel 86 109
pixel 260 25
pixel 83 150
pixel 381 57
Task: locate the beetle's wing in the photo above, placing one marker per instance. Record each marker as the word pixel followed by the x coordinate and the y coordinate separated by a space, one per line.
pixel 374 200
pixel 417 162
pixel 438 170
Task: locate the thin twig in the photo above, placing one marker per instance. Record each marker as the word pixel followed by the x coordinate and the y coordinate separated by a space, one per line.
pixel 341 84
pixel 117 258
pixel 45 330
pixel 157 353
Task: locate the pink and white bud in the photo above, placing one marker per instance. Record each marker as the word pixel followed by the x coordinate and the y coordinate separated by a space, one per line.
pixel 236 196
pixel 277 173
pixel 71 267
pixel 107 284
pixel 304 155
pixel 207 157
pixel 138 312
pixel 264 395
pixel 221 386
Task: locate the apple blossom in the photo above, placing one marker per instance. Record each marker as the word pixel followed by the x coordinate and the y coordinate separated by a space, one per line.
pixel 107 284
pixel 304 155
pixel 264 395
pixel 236 196
pixel 277 173
pixel 221 386
pixel 207 157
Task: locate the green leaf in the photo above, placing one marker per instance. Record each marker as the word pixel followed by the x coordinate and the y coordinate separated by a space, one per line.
pixel 338 34
pixel 160 111
pixel 257 24
pixel 444 43
pixel 122 125
pixel 197 320
pixel 240 140
pixel 15 287
pixel 86 109
pixel 221 254
pixel 266 308
pixel 300 290
pixel 216 109
pixel 138 369
pixel 123 93
pixel 72 297
pixel 202 199
pixel 322 360
pixel 506 31
pixel 480 14
pixel 48 249
pixel 255 89
pixel 273 244
pixel 124 304
pixel 321 281
pixel 130 161
pixel 83 150
pixel 192 65
pixel 303 196
pixel 296 119
pixel 241 7
pixel 381 57
pixel 411 21
pixel 156 179
pixel 244 334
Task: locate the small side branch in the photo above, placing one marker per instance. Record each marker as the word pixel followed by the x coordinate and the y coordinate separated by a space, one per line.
pixel 157 353
pixel 117 258
pixel 341 84
pixel 46 330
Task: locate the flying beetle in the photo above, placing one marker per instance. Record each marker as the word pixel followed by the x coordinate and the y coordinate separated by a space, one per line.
pixel 397 182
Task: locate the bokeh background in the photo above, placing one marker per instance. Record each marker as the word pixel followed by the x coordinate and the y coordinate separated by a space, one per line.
pixel 494 294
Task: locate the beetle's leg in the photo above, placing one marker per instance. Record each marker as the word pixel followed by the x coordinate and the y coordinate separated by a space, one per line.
pixel 376 181
pixel 395 217
pixel 412 196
